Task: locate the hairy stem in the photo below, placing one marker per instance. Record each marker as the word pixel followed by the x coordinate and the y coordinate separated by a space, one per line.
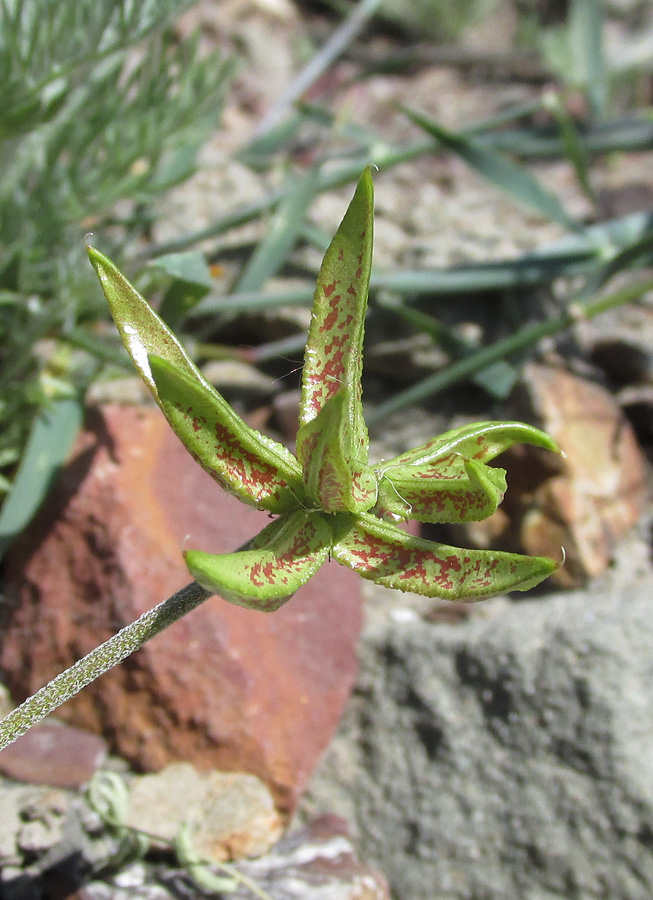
pixel 99 661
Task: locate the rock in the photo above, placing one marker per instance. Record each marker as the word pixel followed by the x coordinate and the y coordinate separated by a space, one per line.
pixel 234 378
pixel 315 862
pixel 18 885
pixel 506 756
pixel 624 358
pixel 286 413
pixel 620 342
pixel 11 798
pixel 637 403
pixel 226 687
pixel 53 754
pixel 31 822
pixel 134 882
pixel 585 502
pixel 230 815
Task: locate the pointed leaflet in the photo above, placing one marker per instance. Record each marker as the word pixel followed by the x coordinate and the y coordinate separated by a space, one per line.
pixel 245 462
pixel 252 467
pixel 445 479
pixel 480 440
pixel 333 358
pixel 464 490
pixel 279 561
pixel 141 330
pixel 335 482
pixel 385 554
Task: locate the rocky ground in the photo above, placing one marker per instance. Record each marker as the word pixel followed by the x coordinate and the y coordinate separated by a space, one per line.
pixel 496 750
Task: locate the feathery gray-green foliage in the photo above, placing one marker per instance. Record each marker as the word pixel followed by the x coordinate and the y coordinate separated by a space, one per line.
pixel 103 110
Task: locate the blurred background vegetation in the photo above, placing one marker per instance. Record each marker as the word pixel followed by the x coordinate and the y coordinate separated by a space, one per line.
pixel 105 109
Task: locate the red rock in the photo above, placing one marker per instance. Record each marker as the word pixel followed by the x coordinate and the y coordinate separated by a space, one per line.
pixel 585 502
pixel 55 755
pixel 225 687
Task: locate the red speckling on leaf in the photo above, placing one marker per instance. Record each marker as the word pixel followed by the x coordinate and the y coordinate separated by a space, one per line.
pixel 242 463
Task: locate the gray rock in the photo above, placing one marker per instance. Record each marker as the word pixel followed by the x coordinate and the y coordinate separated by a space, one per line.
pixel 11 797
pixel 31 821
pixel 314 862
pixel 510 755
pixel 134 882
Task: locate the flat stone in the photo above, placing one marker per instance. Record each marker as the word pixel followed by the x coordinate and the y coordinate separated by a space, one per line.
pixel 230 815
pixel 585 502
pixel 53 754
pixel 226 687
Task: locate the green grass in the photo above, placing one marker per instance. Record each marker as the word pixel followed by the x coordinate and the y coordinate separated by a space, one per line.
pixel 102 111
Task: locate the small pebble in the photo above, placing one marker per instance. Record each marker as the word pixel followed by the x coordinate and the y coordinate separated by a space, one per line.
pixel 57 755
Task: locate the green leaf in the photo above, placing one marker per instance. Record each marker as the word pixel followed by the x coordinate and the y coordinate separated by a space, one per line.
pixel 333 476
pixel 481 441
pixel 141 330
pixel 280 560
pixel 463 490
pixel 258 470
pixel 499 170
pixel 576 54
pixel 283 232
pixel 192 281
pixel 573 146
pixel 49 443
pixel 189 266
pixel 333 358
pixel 383 553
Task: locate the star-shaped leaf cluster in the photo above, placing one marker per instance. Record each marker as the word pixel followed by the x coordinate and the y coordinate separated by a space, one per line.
pixel 329 501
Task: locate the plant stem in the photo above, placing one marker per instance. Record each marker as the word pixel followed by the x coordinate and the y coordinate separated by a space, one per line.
pixel 98 661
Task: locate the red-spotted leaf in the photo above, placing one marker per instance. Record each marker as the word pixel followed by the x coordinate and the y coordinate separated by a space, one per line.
pixel 333 357
pixel 480 440
pixel 383 553
pixel 335 481
pixel 466 491
pixel 142 331
pixel 279 561
pixel 245 462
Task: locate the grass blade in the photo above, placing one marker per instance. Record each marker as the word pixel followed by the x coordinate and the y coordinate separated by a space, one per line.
pixel 337 43
pixel 571 142
pixel 49 443
pixel 499 170
pixel 480 360
pixel 498 379
pixel 585 31
pixel 282 235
